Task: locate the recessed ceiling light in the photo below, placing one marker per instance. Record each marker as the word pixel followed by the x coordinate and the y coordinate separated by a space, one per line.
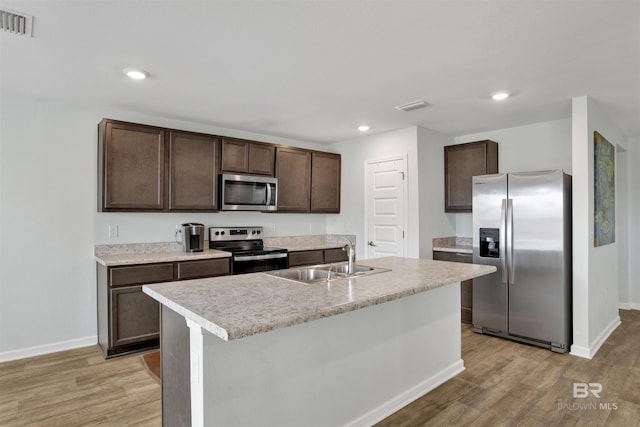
pixel 364 128
pixel 500 96
pixel 136 73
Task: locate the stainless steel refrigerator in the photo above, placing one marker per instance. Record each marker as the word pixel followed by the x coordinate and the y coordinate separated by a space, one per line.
pixel 522 225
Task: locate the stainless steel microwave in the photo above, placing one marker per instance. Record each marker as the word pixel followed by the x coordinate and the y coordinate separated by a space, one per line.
pixel 248 193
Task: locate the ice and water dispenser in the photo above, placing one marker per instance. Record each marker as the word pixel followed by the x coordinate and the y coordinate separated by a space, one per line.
pixel 490 242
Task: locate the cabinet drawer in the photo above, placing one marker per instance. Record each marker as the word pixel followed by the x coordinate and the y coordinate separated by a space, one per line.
pixel 335 255
pixel 141 274
pixel 452 256
pixel 306 258
pixel 203 268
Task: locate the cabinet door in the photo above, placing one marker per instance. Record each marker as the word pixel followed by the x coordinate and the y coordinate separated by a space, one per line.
pixel 306 258
pixel 241 156
pixel 335 255
pixel 135 316
pixel 461 162
pixel 262 159
pixel 325 182
pixel 234 155
pixel 131 166
pixel 293 170
pixel 193 175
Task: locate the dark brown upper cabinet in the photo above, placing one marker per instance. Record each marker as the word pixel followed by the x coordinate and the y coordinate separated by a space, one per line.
pixel 293 170
pixel 193 172
pixel 325 182
pixel 241 156
pixel 131 167
pixel 461 162
pixel 149 169
pixel 308 181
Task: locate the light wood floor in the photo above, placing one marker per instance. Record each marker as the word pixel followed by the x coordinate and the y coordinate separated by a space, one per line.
pixel 511 384
pixel 78 388
pixel 504 384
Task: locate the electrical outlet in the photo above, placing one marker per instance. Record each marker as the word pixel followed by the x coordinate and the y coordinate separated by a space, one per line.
pixel 113 230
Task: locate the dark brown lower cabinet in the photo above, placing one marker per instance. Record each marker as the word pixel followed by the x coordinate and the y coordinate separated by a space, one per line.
pixel 466 286
pixel 316 256
pixel 128 319
pixel 134 316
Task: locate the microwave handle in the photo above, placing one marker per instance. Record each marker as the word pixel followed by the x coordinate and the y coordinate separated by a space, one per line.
pixel 268 195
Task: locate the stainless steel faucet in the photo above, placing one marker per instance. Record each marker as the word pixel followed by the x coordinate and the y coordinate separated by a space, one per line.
pixel 350 249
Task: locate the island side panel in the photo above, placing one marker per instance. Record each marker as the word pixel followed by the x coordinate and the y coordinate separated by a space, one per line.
pixel 354 368
pixel 174 357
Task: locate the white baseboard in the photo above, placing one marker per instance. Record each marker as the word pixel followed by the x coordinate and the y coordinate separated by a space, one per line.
pixel 47 348
pixel 589 352
pixel 629 306
pixel 403 399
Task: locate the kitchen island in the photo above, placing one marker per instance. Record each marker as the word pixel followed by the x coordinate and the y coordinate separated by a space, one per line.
pixel 262 350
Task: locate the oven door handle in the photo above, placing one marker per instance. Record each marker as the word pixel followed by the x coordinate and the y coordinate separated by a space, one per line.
pixel 259 257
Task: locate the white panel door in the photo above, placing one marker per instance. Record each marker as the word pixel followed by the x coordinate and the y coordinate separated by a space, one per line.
pixel 385 207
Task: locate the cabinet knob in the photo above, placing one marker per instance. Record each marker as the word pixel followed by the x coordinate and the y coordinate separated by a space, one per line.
pixel 371 243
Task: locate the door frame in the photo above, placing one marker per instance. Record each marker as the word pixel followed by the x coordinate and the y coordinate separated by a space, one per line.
pixel 405 215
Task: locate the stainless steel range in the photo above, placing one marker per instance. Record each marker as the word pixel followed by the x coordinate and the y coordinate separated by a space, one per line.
pixel 249 253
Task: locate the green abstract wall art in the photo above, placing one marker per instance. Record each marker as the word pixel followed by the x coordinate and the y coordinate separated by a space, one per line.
pixel 604 191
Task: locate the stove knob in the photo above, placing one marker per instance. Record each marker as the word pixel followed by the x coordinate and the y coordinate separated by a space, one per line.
pixel 258 231
pixel 217 233
pixel 253 232
pixel 222 232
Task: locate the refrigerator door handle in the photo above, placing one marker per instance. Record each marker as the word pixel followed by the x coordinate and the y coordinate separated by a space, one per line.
pixel 511 262
pixel 502 250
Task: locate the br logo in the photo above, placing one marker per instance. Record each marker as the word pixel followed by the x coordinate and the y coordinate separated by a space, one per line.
pixel 582 390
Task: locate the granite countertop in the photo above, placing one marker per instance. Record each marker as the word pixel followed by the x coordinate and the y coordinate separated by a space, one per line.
pixel 309 243
pixel 150 258
pixel 148 253
pixel 462 245
pixel 233 307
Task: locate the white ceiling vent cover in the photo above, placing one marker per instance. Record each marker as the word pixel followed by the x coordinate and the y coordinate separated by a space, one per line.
pixel 16 22
pixel 412 105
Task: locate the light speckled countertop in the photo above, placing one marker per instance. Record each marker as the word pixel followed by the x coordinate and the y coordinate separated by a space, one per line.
pixel 154 257
pixel 148 253
pixel 233 307
pixel 453 244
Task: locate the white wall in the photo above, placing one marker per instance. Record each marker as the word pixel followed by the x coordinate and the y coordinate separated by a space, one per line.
pixel 596 276
pixel 434 222
pixel 622 223
pixel 49 222
pixel 354 155
pixel 633 159
pixel 538 146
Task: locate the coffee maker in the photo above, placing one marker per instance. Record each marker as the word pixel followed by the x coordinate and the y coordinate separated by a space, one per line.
pixel 192 237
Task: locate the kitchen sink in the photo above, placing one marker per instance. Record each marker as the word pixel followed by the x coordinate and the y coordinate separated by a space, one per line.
pixel 343 267
pixel 306 274
pixel 324 273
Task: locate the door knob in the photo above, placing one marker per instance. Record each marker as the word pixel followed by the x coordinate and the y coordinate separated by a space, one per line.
pixel 371 243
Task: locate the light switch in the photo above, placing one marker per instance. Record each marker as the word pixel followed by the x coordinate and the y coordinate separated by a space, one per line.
pixel 113 230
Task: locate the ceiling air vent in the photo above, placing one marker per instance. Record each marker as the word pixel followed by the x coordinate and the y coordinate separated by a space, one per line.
pixel 16 22
pixel 412 105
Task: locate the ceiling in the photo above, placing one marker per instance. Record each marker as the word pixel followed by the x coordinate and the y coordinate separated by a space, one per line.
pixel 315 70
